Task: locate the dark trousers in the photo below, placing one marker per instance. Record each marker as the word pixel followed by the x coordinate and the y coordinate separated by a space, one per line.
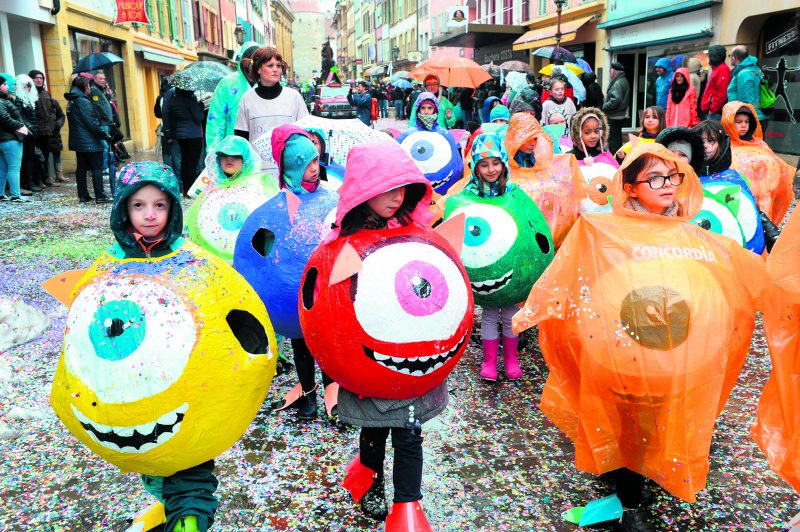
pixel 615 134
pixel 407 445
pixel 304 364
pixel 43 143
pixel 629 487
pixel 30 171
pixel 190 153
pixel 89 161
pixel 187 492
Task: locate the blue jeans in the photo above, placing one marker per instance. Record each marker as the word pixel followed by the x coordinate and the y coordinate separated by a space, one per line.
pixel 383 105
pixel 10 164
pixel 110 163
pixel 398 109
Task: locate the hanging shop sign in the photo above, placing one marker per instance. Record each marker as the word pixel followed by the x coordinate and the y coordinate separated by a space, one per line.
pixel 131 11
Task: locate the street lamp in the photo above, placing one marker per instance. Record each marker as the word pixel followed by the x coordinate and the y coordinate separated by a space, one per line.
pixel 559 6
pixel 239 33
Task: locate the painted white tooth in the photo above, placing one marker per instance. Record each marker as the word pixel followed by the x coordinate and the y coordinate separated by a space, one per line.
pixel 125 432
pixel 417 373
pixel 146 428
pixel 168 419
pixel 437 366
pixel 424 359
pixel 404 370
pixel 129 449
pixel 105 429
pixel 164 436
pixel 397 360
pixel 379 356
pixel 146 447
pixel 110 445
pixel 183 408
pixel 176 428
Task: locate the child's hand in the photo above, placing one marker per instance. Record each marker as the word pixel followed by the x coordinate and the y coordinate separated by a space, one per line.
pixel 23 130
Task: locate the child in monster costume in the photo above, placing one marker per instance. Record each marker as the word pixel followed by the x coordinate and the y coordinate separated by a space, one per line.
pixel 385 195
pixel 716 168
pixel 589 135
pixel 110 359
pixel 235 189
pixel 769 176
pixel 621 330
pixel 514 256
pixel 298 164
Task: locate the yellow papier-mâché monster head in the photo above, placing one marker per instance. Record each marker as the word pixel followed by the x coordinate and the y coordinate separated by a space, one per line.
pixel 165 361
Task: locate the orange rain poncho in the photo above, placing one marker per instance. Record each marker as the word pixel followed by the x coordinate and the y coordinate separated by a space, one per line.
pixel 554 183
pixel 777 427
pixel 644 322
pixel 770 178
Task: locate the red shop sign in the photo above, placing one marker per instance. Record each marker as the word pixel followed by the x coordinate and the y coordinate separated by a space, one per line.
pixel 131 11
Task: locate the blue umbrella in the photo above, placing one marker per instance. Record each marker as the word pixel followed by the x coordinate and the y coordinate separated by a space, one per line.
pixel 402 84
pixel 583 64
pixel 96 61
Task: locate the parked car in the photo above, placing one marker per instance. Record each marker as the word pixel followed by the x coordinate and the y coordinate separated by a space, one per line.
pixel 330 101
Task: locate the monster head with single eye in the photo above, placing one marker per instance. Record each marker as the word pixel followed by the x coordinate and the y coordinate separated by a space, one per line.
pixel 599 178
pixel 507 244
pixel 216 217
pixel 165 362
pixel 274 246
pixel 436 155
pixel 387 313
pixel 730 209
pixel 643 321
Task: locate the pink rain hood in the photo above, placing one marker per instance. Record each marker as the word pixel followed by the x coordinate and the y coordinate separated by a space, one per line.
pixel 373 169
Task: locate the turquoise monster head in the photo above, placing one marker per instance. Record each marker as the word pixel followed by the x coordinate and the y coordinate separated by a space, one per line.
pixel 507 244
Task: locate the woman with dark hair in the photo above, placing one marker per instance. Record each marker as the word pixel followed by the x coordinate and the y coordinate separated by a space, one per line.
pixel 268 104
pixel 86 135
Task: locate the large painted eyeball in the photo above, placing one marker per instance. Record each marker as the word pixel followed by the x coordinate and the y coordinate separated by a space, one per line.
pixel 401 301
pixel 118 332
pixel 223 214
pixel 489 232
pixel 745 210
pixel 718 218
pixel 431 151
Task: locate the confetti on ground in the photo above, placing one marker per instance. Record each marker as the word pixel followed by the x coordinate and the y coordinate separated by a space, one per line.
pixel 492 460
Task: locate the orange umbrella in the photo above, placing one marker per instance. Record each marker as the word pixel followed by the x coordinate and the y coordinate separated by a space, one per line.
pixel 453 72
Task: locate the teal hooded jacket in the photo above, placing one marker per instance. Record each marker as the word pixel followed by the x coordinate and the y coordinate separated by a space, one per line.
pixel 745 85
pixel 132 177
pixel 225 102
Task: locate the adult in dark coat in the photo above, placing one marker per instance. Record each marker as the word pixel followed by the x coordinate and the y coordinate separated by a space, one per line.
pixel 86 135
pixel 594 94
pixel 616 105
pixel 45 122
pixel 12 131
pixel 183 123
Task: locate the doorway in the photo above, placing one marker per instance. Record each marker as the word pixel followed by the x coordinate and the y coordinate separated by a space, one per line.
pixel 635 64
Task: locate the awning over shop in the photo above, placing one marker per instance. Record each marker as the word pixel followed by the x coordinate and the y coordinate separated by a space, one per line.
pixel 546 36
pixel 375 70
pixel 633 13
pixel 158 56
pixel 477 35
pixel 682 27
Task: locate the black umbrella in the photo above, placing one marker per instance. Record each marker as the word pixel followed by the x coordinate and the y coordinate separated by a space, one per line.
pixel 96 61
pixel 555 54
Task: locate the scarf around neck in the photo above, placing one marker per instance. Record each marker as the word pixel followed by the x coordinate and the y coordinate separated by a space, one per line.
pixel 634 205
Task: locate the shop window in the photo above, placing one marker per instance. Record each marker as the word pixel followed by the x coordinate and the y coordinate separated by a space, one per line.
pixel 83 44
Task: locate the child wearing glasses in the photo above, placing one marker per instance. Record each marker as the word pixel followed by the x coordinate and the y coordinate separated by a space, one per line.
pixel 644 337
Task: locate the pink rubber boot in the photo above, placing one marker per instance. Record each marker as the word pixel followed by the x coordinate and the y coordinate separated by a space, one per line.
pixel 489 366
pixel 510 358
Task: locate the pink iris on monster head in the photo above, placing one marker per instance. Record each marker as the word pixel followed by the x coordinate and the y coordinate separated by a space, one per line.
pixel 421 288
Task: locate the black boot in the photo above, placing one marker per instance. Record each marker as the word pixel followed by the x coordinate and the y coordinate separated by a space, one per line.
pixel 771 231
pixel 373 503
pixel 307 406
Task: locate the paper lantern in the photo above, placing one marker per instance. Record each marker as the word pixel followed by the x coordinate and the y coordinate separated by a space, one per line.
pixel 397 327
pixel 165 362
pixel 436 155
pixel 730 209
pixel 645 335
pixel 507 244
pixel 215 218
pixel 274 246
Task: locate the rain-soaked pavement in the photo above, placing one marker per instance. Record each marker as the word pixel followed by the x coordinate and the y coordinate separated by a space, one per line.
pixel 492 460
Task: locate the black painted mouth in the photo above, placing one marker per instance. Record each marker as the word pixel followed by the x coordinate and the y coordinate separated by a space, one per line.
pixel 491 286
pixel 415 366
pixel 138 439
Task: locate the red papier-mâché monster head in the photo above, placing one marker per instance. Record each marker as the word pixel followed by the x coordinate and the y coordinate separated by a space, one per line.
pixel 388 313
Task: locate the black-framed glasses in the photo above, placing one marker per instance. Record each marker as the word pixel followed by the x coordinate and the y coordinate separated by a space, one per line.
pixel 658 181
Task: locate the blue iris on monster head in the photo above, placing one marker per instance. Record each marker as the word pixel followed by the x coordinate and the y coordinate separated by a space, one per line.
pixel 117 330
pixel 436 155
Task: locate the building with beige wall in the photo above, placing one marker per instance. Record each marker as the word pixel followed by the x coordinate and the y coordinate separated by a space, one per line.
pixel 283 18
